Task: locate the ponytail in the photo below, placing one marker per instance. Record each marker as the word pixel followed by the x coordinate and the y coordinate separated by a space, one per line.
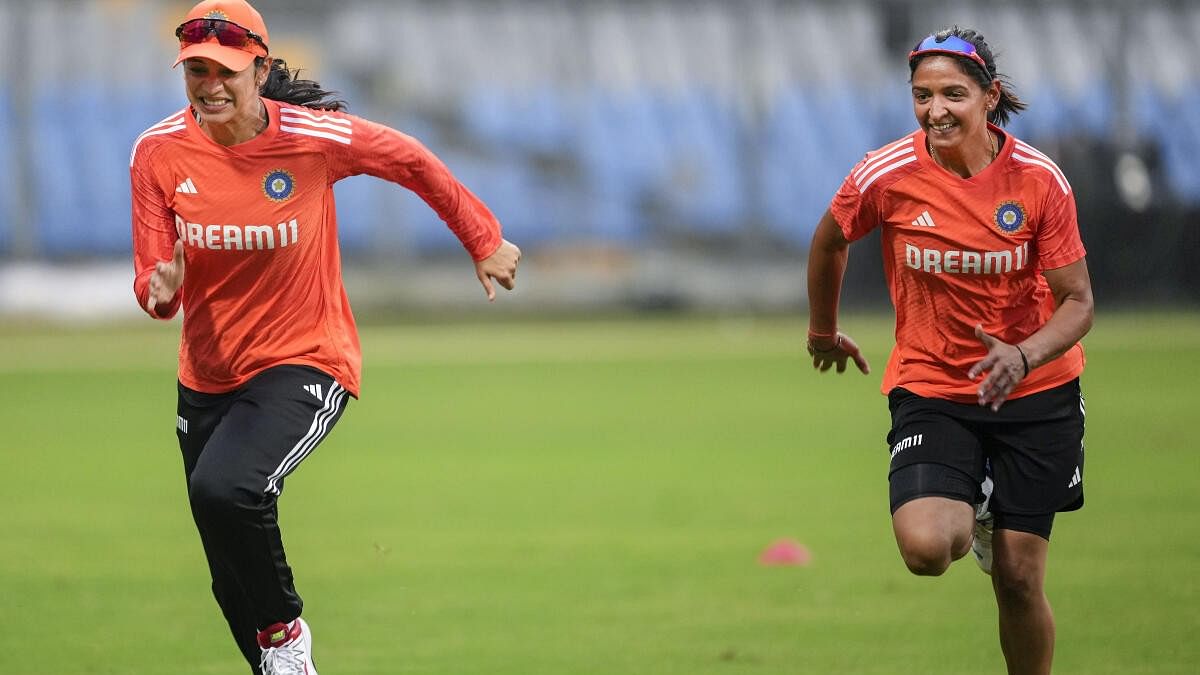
pixel 285 85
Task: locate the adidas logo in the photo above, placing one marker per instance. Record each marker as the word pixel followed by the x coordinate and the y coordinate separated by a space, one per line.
pixel 1076 479
pixel 315 390
pixel 923 220
pixel 187 187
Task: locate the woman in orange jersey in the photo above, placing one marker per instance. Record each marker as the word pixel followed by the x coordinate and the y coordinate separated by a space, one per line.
pixel 987 275
pixel 233 220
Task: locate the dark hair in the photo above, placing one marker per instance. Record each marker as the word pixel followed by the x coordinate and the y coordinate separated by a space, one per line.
pixel 285 85
pixel 1008 104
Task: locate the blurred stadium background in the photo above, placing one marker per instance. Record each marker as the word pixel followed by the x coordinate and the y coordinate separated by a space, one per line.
pixel 589 497
pixel 647 154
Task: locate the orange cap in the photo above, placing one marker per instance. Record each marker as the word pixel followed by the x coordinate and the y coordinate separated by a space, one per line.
pixel 234 11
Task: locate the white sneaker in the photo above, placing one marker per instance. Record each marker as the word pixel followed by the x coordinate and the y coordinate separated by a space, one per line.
pixel 287 649
pixel 981 545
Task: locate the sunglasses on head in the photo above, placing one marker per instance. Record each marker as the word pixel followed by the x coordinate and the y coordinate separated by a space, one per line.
pixel 952 44
pixel 228 33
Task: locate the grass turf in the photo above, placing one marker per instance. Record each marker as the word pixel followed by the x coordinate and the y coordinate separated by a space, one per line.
pixel 580 497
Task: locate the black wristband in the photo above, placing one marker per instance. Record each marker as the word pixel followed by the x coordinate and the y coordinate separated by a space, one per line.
pixel 1024 360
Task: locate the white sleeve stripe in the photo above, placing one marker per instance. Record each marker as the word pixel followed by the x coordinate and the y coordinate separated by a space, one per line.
pixel 907 140
pixel 890 167
pixel 319 125
pixel 173 119
pixel 304 131
pixel 871 164
pixel 1030 150
pixel 1058 177
pixel 156 132
pixel 316 118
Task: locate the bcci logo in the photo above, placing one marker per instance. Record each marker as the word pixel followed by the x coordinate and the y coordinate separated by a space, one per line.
pixel 1010 216
pixel 278 185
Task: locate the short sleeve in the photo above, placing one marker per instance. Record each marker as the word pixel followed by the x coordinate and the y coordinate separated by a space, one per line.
pixel 1058 240
pixel 856 213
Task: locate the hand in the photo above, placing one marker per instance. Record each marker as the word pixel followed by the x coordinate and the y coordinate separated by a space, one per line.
pixel 166 278
pixel 826 352
pixel 1005 369
pixel 501 266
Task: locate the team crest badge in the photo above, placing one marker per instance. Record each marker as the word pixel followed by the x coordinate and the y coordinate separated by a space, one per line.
pixel 217 14
pixel 1010 217
pixel 278 185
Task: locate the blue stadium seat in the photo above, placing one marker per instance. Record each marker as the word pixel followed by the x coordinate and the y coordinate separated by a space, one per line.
pixel 1181 145
pixel 60 182
pixel 8 189
pixel 487 115
pixel 622 156
pixel 1093 109
pixel 356 200
pixel 80 183
pixel 809 143
pixel 533 120
pixel 703 190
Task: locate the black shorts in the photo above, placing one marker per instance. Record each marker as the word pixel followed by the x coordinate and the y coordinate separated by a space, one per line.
pixel 1034 445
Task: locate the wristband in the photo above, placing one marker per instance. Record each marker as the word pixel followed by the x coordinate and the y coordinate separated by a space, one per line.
pixel 1024 361
pixel 813 351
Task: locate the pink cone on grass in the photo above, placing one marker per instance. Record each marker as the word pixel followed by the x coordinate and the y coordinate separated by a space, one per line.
pixel 785 552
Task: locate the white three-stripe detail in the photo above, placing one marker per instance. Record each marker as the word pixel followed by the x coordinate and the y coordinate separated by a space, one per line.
pixel 923 220
pixel 187 187
pixel 315 389
pixel 317 118
pixel 313 132
pixel 306 123
pixel 170 125
pixel 319 125
pixel 1033 156
pixel 316 432
pixel 912 157
pixel 903 147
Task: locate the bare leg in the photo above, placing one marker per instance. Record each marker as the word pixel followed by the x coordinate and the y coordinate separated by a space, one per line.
pixel 933 532
pixel 1026 621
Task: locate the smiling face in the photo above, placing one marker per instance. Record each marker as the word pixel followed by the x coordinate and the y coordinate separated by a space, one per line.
pixel 949 104
pixel 222 96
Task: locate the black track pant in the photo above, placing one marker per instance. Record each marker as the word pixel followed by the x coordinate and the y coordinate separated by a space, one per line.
pixel 237 449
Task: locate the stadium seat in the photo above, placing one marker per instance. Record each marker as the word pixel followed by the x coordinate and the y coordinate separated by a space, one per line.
pixel 703 189
pixel 8 188
pixel 809 143
pixel 1181 145
pixel 60 185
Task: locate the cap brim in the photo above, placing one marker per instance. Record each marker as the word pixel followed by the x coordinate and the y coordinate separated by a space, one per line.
pixel 230 57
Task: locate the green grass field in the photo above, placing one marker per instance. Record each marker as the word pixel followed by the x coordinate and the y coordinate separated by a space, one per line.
pixel 556 498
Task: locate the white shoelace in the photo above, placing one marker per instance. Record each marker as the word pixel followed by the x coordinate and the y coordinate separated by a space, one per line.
pixel 283 660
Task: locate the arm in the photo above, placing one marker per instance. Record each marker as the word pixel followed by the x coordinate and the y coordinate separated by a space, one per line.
pixel 391 155
pixel 1072 319
pixel 157 251
pixel 826 267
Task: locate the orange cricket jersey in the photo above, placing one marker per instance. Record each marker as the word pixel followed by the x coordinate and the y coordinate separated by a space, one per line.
pixel 959 252
pixel 263 284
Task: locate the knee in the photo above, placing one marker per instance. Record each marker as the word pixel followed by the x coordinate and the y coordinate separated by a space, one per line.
pixel 925 555
pixel 212 497
pixel 1017 581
